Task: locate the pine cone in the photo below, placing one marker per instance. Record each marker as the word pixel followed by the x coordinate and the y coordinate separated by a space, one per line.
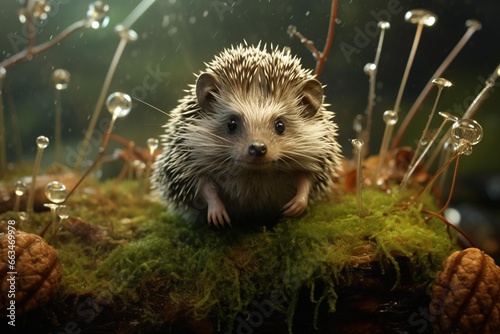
pixel 37 273
pixel 466 294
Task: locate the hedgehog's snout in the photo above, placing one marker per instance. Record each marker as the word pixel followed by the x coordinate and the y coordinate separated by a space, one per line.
pixel 257 148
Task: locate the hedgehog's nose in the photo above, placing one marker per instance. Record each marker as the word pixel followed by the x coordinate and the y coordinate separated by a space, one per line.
pixel 257 149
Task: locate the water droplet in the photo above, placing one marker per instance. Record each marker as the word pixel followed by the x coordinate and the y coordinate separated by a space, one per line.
pixel 357 123
pixel 205 13
pixel 464 148
pixel 291 30
pixel 473 24
pixel 424 142
pixel 138 164
pixel 20 188
pixel 358 144
pixel 63 211
pixel 152 144
pixel 40 9
pixel 129 34
pixel 384 25
pixel 466 129
pixel 61 78
pixel 23 216
pixel 390 117
pixel 448 116
pixel 421 16
pixel 442 82
pixel 370 69
pixel 22 15
pixel 119 104
pixel 3 72
pixel 97 15
pixel 42 142
pixel 55 192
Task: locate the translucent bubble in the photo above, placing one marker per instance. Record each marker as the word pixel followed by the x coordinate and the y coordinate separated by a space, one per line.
pixel 42 142
pixel 421 16
pixel 20 188
pixel 61 78
pixel 55 192
pixel 3 72
pixel 370 68
pixel 424 142
pixel 390 117
pixel 97 15
pixel 129 34
pixel 119 104
pixel 63 211
pixel 358 144
pixel 384 25
pixel 152 144
pixel 466 129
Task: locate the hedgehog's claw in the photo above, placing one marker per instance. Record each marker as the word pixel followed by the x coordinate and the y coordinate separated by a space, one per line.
pixel 295 207
pixel 299 202
pixel 217 214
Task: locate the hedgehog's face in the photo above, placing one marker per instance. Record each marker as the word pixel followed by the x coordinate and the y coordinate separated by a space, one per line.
pixel 255 130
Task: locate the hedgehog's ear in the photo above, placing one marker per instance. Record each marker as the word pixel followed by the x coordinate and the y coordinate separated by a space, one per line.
pixel 312 97
pixel 206 87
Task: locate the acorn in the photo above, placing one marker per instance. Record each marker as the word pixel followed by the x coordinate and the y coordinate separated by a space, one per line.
pixel 36 272
pixel 466 294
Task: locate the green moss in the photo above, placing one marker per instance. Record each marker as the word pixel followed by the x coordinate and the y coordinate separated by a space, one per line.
pixel 145 254
pixel 207 272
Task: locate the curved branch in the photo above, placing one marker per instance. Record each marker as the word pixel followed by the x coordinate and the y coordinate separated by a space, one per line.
pixel 329 38
pixel 33 50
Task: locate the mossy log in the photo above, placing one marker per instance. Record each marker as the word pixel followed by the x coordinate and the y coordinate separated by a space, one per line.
pixel 330 271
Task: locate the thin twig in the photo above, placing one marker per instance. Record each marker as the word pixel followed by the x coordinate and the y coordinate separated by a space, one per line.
pixel 319 56
pixel 29 52
pixel 418 103
pixel 329 38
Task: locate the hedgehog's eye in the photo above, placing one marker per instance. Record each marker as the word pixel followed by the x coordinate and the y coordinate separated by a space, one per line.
pixel 279 126
pixel 232 124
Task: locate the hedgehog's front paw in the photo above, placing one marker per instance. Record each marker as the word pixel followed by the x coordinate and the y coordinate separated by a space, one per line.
pixel 295 207
pixel 217 214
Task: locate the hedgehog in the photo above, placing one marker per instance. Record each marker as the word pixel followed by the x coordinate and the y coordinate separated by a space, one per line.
pixel 252 140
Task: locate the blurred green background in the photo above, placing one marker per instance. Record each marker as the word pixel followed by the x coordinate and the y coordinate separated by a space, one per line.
pixel 176 37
